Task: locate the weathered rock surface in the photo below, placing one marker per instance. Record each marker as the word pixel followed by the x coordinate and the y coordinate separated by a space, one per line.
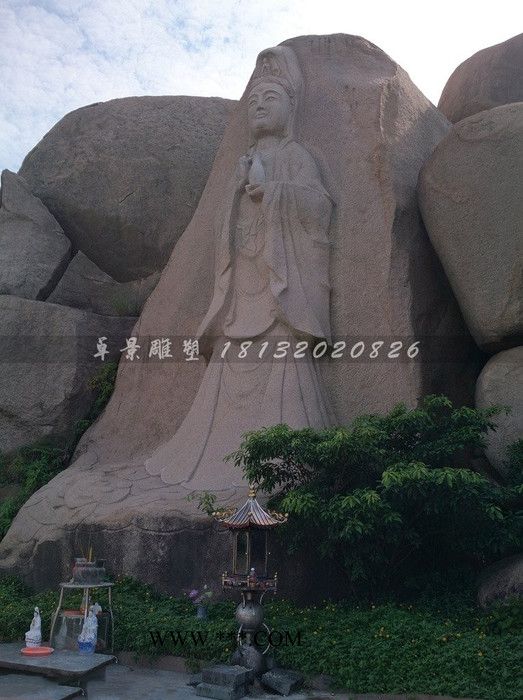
pixel 501 581
pixel 85 286
pixel 46 361
pixel 501 382
pixel 490 78
pixel 370 130
pixel 470 199
pixel 124 177
pixel 33 249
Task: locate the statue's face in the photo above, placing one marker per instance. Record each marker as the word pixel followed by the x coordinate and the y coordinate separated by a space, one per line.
pixel 269 109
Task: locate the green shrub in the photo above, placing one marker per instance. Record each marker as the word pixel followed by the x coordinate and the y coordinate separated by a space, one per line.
pixel 389 499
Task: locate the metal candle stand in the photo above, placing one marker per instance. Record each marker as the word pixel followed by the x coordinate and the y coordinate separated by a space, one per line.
pixel 85 587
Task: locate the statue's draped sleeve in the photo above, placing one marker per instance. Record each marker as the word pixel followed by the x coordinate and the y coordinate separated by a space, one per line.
pixel 297 211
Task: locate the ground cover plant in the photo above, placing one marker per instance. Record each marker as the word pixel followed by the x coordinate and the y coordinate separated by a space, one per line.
pixel 438 645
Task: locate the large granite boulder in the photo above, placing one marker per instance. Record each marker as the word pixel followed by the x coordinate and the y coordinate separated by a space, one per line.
pixel 47 359
pixel 124 177
pixel 84 286
pixel 370 130
pixel 501 383
pixel 490 78
pixel 470 198
pixel 33 249
pixel 501 581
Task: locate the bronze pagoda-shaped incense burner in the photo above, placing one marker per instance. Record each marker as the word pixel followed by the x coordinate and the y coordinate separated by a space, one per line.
pixel 250 526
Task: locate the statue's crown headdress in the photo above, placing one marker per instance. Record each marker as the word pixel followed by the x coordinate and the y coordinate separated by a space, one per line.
pixel 279 65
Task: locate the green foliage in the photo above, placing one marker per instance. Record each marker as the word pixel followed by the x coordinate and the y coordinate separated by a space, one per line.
pixel 506 617
pixel 206 501
pixel 439 646
pixel 102 383
pixel 389 499
pixel 126 304
pixel 515 462
pixel 33 466
pixel 29 469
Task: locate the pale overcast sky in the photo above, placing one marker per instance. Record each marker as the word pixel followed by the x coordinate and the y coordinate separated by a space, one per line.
pixel 57 55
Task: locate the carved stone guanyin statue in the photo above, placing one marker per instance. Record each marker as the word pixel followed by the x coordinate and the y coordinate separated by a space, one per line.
pixel 271 284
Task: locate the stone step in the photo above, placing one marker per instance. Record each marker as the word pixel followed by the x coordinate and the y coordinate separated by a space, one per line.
pixel 14 686
pixel 228 676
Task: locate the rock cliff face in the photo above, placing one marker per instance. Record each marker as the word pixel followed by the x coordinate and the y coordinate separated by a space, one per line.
pixel 84 286
pixel 123 178
pixel 490 78
pixel 33 249
pixel 370 131
pixel 47 354
pixel 501 383
pixel 470 199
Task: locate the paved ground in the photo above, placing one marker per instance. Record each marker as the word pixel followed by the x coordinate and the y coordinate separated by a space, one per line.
pixel 135 683
pixel 127 683
pixel 124 682
pixel 22 687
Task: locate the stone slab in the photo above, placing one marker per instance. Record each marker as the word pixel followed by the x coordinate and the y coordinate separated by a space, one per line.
pixel 224 675
pixel 60 664
pixel 195 679
pixel 282 680
pixel 18 687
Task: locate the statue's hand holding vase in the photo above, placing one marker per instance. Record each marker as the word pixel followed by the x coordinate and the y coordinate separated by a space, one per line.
pixel 256 176
pixel 242 172
pixel 255 192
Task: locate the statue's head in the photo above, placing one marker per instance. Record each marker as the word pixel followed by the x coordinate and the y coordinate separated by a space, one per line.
pixel 270 108
pixel 273 93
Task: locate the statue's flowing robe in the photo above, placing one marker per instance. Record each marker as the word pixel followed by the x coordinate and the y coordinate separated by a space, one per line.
pixel 297 211
pixel 292 221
